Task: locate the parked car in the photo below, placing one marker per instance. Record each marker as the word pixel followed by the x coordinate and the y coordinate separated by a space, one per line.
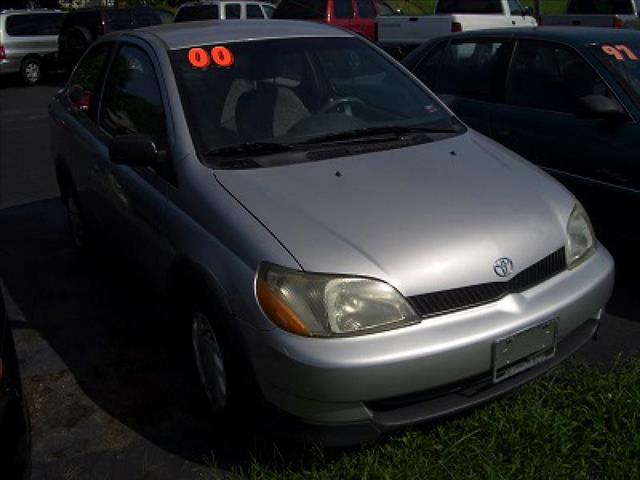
pixel 15 437
pixel 359 16
pixel 334 241
pixel 83 26
pixel 597 13
pixel 223 10
pixel 568 99
pixel 403 33
pixel 29 42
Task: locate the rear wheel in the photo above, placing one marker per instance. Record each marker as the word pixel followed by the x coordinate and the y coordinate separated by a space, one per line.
pixel 31 70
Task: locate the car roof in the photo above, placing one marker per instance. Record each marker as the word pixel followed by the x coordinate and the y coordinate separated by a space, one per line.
pixel 188 34
pixel 576 36
pixel 218 2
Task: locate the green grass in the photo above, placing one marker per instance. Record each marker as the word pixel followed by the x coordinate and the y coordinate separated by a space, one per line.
pixel 575 423
pixel 420 7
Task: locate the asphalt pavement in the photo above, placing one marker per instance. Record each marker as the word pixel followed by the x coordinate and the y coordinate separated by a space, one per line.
pixel 110 393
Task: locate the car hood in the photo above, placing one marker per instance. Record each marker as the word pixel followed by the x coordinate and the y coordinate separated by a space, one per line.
pixel 423 218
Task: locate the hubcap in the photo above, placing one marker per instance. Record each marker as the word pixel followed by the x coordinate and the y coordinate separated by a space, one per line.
pixel 32 72
pixel 75 223
pixel 209 361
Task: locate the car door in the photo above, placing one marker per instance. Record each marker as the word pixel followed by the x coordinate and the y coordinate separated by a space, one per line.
pixel 542 121
pixel 133 102
pixel 469 75
pixel 81 141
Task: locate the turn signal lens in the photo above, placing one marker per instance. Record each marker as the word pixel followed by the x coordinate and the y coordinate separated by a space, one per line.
pixel 278 311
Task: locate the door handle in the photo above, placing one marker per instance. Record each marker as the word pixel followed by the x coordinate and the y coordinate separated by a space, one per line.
pixel 513 22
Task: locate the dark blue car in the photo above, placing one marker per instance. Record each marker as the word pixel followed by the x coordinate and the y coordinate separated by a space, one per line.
pixel 567 99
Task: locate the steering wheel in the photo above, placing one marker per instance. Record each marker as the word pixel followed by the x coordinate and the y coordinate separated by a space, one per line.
pixel 347 102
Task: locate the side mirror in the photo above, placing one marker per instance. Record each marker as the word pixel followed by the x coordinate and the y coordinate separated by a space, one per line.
pixel 599 106
pixel 80 98
pixel 134 150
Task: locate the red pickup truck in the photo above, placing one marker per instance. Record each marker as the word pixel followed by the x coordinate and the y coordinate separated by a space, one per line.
pixel 358 16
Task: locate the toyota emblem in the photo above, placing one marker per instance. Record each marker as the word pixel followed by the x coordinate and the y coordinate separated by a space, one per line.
pixel 503 267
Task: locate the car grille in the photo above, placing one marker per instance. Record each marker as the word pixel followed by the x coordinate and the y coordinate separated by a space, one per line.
pixel 446 301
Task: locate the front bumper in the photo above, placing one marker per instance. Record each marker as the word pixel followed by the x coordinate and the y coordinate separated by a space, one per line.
pixel 404 376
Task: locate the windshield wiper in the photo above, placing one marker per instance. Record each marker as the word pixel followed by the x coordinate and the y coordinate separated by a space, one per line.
pixel 249 149
pixel 376 134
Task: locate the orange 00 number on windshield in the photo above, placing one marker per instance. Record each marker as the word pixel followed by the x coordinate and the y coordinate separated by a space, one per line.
pixel 200 58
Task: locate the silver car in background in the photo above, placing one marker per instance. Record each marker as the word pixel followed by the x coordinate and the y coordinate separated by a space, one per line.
pixel 335 242
pixel 29 42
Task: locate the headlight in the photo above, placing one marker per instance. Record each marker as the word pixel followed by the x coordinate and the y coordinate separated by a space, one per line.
pixel 314 304
pixel 580 237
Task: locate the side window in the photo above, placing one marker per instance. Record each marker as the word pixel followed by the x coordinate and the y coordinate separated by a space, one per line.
pixel 516 8
pixel 254 11
pixel 132 102
pixel 427 69
pixel 144 17
pixel 190 13
pixel 232 11
pixel 34 24
pixel 366 9
pixel 117 19
pixel 551 77
pixel 473 69
pixel 268 10
pixel 87 79
pixel 303 10
pixel 343 9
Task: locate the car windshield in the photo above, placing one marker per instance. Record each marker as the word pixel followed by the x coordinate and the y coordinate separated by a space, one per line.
pixel 624 60
pixel 267 96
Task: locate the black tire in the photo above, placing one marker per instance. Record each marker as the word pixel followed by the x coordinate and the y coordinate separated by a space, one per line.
pixel 240 392
pixel 31 71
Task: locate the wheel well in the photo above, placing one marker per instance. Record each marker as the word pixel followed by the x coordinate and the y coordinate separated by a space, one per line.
pixel 31 56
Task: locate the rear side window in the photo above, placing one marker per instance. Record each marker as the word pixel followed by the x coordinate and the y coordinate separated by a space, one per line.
pixel 232 11
pixel 254 11
pixel 427 69
pixel 366 9
pixel 551 77
pixel 144 17
pixel 268 10
pixel 516 8
pixel 342 9
pixel 302 9
pixel 88 75
pixel 197 12
pixel 473 69
pixel 116 19
pixel 34 24
pixel 132 102
pixel 469 6
pixel 601 7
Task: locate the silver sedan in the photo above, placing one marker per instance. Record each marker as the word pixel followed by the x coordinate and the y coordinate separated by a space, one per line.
pixel 338 246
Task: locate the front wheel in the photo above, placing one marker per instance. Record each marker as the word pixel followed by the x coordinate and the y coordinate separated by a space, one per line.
pixel 31 71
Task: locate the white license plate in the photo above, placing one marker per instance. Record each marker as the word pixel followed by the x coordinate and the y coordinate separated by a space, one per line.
pixel 524 349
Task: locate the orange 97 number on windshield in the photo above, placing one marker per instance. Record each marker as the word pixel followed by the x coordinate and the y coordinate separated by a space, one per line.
pixel 619 52
pixel 201 58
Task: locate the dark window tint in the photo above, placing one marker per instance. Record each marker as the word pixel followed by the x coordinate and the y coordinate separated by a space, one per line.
pixel 268 10
pixel 551 77
pixel 254 11
pixel 132 102
pixel 602 7
pixel 366 9
pixel 516 8
pixel 232 11
pixel 144 17
pixel 342 9
pixel 197 12
pixel 427 70
pixel 89 74
pixel 91 20
pixel 164 15
pixel 116 19
pixel 34 24
pixel 473 69
pixel 302 9
pixel 385 9
pixel 469 6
